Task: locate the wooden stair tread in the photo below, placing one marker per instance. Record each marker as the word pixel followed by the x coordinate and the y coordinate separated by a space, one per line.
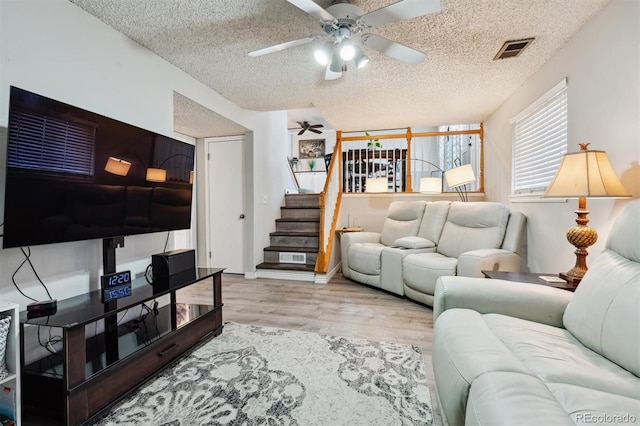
pixel 300 207
pixel 292 249
pixel 286 266
pixel 294 234
pixel 298 219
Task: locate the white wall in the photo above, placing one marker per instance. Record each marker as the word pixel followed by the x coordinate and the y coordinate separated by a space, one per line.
pixel 56 49
pixel 602 63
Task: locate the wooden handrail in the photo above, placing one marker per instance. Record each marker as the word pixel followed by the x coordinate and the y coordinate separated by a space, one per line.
pixel 329 210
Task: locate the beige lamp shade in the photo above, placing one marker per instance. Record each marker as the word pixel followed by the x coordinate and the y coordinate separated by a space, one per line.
pixel 460 175
pixel 431 185
pixel 117 166
pixel 376 184
pixel 586 174
pixel 156 175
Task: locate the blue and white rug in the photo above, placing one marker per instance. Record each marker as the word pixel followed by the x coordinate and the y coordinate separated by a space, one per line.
pixel 253 375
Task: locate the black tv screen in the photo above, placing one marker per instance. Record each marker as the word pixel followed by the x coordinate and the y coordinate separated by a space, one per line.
pixel 75 175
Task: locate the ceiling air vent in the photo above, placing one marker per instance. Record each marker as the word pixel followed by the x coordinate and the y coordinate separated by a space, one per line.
pixel 513 48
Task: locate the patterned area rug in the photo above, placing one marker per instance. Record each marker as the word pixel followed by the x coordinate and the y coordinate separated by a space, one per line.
pixel 256 375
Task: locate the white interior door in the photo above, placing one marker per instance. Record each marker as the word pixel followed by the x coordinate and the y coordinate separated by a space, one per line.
pixel 225 201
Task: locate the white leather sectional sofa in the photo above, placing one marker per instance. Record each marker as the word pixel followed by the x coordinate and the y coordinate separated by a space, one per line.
pixel 507 353
pixel 421 241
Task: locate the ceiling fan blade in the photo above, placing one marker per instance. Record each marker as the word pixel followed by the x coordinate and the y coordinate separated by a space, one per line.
pixel 316 125
pixel 283 46
pixel 406 9
pixel 393 49
pixel 315 131
pixel 313 9
pixel 301 131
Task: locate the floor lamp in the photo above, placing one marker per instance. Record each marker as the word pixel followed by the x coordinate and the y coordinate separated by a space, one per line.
pixel 584 174
pixel 457 178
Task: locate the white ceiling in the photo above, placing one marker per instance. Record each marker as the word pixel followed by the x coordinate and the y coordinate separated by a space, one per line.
pixel 459 82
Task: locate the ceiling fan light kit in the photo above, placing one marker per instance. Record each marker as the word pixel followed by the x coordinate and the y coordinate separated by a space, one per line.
pixel 342 23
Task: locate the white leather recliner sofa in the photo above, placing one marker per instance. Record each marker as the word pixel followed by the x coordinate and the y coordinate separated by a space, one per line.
pixel 475 237
pixel 422 240
pixel 375 258
pixel 508 353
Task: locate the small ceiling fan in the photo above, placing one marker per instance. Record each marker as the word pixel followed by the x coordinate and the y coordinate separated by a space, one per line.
pixel 310 127
pixel 345 29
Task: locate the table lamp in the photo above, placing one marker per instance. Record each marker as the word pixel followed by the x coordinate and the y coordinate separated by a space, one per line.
pixel 584 174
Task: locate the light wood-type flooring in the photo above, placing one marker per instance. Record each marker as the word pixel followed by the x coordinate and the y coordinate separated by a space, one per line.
pixel 341 307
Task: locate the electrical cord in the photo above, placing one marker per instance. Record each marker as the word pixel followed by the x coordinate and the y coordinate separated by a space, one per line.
pixel 48 345
pixel 27 255
pixel 148 273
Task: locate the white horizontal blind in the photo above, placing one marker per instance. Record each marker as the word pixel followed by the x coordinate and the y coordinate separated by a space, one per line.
pixel 41 142
pixel 539 141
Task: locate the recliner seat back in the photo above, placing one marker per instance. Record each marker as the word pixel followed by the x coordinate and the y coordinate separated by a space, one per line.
pixel 403 220
pixel 604 313
pixel 473 226
pixel 433 220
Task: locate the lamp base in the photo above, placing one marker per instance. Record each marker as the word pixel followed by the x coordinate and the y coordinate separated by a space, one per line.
pixel 581 237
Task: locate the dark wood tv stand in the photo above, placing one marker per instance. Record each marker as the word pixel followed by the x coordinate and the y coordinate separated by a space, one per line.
pixel 96 368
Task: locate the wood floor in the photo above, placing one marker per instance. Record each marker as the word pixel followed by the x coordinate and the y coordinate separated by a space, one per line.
pixel 341 307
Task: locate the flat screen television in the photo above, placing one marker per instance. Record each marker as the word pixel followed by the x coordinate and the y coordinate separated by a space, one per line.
pixel 75 175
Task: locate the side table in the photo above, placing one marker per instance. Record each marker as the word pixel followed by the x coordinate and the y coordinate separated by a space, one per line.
pixel 529 277
pixel 352 229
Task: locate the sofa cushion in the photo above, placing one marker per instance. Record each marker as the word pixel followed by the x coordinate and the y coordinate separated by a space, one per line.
pixel 504 398
pixel 472 226
pixel 555 356
pixel 420 271
pixel 604 313
pixel 403 220
pixel 590 406
pixel 365 258
pixel 464 348
pixel 434 218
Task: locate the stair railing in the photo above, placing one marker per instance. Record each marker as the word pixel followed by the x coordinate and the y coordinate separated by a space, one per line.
pixel 329 203
pixel 294 178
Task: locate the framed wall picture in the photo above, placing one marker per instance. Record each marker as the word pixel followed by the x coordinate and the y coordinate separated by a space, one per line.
pixel 311 148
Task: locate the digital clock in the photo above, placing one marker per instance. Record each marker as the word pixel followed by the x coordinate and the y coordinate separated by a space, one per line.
pixel 115 286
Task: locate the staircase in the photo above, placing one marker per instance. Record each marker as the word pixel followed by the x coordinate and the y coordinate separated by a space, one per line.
pixel 293 248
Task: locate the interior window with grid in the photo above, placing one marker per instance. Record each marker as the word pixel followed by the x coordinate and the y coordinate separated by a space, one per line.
pixel 539 141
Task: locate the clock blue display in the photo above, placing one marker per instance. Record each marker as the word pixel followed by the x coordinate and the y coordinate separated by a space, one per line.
pixel 117 278
pixel 112 293
pixel 115 286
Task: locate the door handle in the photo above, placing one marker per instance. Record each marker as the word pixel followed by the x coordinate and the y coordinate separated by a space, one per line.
pixel 242 216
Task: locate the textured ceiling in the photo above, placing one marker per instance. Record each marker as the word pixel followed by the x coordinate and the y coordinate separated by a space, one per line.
pixel 459 82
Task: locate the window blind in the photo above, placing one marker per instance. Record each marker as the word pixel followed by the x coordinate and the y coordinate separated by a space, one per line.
pixel 42 142
pixel 539 141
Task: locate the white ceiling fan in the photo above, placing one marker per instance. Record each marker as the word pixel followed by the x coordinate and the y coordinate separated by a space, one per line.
pixel 346 25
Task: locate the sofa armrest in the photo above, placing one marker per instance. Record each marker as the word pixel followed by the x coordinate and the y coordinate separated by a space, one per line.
pixel 471 263
pixel 349 238
pixel 391 267
pixel 414 243
pixel 531 302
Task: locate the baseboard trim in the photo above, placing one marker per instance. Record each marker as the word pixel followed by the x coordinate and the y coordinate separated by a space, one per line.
pixel 285 275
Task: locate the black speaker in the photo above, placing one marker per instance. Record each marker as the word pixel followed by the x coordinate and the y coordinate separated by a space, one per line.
pixel 173 267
